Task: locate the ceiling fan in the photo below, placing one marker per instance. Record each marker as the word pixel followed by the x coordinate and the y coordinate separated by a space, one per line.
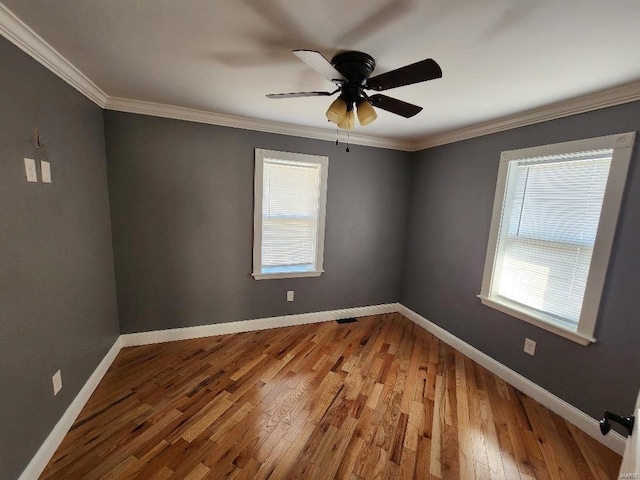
pixel 351 72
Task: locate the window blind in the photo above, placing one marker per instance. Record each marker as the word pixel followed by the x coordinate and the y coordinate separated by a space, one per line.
pixel 290 209
pixel 548 231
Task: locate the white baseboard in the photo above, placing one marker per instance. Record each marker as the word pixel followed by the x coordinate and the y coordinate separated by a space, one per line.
pixel 577 417
pixel 173 334
pixel 44 454
pixel 42 457
pixel 589 425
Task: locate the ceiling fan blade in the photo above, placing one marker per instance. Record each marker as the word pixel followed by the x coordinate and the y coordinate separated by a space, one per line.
pixel 416 72
pixel 320 64
pixel 299 94
pixel 394 105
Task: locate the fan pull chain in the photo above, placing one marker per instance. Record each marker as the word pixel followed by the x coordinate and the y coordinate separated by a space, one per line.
pixel 348 140
pixel 337 135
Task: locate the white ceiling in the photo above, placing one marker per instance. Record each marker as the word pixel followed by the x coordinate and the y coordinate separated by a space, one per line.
pixel 499 57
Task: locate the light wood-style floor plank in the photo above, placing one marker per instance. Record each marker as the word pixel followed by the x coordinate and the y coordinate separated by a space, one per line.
pixel 377 398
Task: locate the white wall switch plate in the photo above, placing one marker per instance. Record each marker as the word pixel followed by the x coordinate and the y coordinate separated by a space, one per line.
pixel 290 296
pixel 529 346
pixel 45 168
pixel 30 170
pixel 57 382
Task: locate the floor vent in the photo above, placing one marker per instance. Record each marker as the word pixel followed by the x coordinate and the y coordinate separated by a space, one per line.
pixel 347 320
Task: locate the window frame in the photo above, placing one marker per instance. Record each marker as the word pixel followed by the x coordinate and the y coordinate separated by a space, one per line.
pixel 260 156
pixel 622 145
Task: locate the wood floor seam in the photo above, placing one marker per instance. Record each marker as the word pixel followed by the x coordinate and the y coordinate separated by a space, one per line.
pixel 377 398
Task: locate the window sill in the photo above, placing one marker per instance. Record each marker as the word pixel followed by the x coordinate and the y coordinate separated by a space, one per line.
pixel 267 276
pixel 533 320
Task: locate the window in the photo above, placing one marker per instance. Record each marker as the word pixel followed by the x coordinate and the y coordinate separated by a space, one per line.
pixel 290 203
pixel 554 217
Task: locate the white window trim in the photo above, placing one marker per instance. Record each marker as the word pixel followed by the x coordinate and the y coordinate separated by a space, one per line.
pixel 622 145
pixel 260 155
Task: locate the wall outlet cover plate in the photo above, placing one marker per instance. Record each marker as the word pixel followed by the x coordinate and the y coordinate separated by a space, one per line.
pixel 57 382
pixel 529 346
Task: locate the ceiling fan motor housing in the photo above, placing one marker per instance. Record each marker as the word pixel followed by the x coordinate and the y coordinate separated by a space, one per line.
pixel 356 68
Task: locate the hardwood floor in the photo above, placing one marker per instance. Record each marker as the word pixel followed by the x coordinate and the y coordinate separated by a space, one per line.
pixel 379 398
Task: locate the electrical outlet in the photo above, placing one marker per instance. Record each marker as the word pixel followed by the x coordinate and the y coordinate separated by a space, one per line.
pixel 529 346
pixel 290 296
pixel 30 170
pixel 57 382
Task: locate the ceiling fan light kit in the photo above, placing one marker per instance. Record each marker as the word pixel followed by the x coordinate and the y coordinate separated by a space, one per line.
pixel 351 72
pixel 348 121
pixel 366 113
pixel 337 110
pixel 342 114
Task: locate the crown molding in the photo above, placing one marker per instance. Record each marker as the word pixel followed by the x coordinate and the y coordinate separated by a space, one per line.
pixel 245 123
pixel 22 36
pixel 610 97
pixel 619 95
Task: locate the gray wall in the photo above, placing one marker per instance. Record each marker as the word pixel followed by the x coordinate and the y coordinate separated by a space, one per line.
pixel 402 226
pixel 57 289
pixel 182 213
pixel 450 214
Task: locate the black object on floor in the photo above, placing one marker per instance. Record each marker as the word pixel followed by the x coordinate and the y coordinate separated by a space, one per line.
pixel 347 320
